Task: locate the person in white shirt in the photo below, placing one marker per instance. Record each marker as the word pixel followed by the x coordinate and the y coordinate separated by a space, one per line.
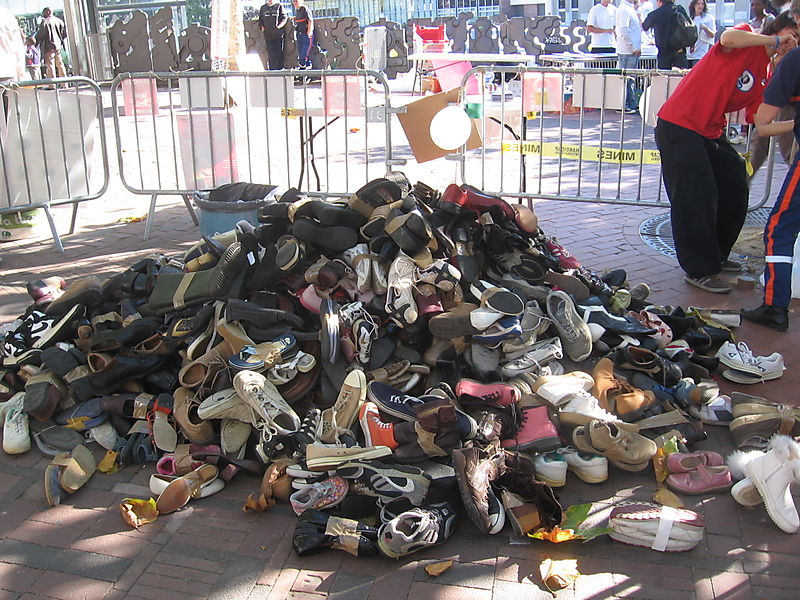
pixel 706 30
pixel 645 8
pixel 600 26
pixel 629 48
pixel 12 48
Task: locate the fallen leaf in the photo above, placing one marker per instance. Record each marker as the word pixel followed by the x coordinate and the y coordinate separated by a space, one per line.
pixel 667 498
pixel 436 569
pixel 257 503
pixel 109 463
pixel 138 512
pixel 263 547
pixel 558 574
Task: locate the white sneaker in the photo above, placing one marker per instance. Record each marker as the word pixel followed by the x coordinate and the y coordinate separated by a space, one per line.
pixel 591 468
pixel 581 407
pixel 537 355
pixel 272 415
pixel 551 468
pixel 557 389
pixel 740 357
pixel 16 435
pixel 104 434
pixel 356 257
pixel 225 404
pixel 400 303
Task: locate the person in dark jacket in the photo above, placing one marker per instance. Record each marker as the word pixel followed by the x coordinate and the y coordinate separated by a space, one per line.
pixel 271 20
pixel 661 21
pixel 51 37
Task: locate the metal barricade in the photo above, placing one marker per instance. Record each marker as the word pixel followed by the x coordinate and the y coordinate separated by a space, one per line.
pixel 52 146
pixel 564 134
pixel 325 132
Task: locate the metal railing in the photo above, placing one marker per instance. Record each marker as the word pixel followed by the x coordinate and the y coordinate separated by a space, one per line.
pixel 564 134
pixel 325 132
pixel 52 131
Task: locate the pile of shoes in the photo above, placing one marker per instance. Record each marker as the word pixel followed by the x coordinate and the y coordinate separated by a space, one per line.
pixel 392 359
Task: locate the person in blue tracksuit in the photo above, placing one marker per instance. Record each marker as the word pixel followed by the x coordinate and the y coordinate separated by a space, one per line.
pixel 783 224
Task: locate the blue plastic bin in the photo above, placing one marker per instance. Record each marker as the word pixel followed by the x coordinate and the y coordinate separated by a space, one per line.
pixel 219 217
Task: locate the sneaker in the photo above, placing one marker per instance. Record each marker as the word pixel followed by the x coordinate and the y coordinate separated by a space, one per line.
pixel 740 358
pixel 400 304
pixel 497 394
pixel 709 283
pixel 363 333
pixel 341 416
pixel 476 469
pixel 417 529
pixel 590 468
pixel 537 355
pixel 320 495
pixel 16 435
pixel 392 402
pixel 551 468
pixel 534 323
pixel 376 431
pixel 326 458
pixel 536 432
pixel 225 404
pixel 389 481
pixel 558 389
pixel 573 331
pixel 505 328
pixel 271 413
pixel 565 259
pixel 440 273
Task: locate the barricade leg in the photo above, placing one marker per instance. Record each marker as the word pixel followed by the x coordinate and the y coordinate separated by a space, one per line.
pixel 56 239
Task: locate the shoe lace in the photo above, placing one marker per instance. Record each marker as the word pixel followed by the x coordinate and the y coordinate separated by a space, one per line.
pixel 746 354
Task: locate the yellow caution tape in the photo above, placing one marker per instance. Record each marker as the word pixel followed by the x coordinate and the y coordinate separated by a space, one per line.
pixel 289 113
pixel 627 156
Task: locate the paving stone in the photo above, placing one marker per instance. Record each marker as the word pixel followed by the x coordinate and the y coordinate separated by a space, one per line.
pixel 17 578
pixel 421 590
pixel 473 575
pixel 70 587
pixel 510 589
pixel 350 586
pixel 238 579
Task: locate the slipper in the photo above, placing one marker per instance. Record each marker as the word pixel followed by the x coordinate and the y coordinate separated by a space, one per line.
pixel 78 467
pixel 164 435
pixel 247 359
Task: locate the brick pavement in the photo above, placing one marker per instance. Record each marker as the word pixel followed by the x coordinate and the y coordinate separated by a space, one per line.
pixel 83 549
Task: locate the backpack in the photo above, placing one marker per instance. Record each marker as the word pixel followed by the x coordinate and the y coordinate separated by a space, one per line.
pixel 683 33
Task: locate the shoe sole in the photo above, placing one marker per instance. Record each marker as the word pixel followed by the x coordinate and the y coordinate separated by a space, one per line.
pixel 551 482
pixel 587 478
pixel 326 463
pixel 746 378
pixel 742 368
pixel 644 543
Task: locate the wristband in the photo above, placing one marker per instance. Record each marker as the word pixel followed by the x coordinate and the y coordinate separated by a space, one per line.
pixel 777 42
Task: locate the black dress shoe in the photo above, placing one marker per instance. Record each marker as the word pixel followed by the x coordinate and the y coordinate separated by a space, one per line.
pixel 774 317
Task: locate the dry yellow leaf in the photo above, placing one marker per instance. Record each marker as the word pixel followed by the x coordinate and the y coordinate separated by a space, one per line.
pixel 109 463
pixel 436 569
pixel 558 574
pixel 138 512
pixel 667 498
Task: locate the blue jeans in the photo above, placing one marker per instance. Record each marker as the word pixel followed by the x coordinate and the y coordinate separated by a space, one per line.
pixel 629 61
pixel 303 46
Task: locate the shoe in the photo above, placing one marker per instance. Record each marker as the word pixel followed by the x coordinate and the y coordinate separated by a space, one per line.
pixel 557 389
pixel 534 358
pixel 440 274
pixel 476 469
pixel 469 391
pixel 588 467
pixel 376 431
pixel 388 482
pixel 773 474
pixel 565 259
pixel 619 397
pixel 327 458
pixel 573 331
pixel 320 495
pixel 731 266
pixel 709 283
pixel 393 402
pixel 225 404
pixel 316 531
pixel 182 489
pixel 638 524
pixel 661 370
pixel 400 304
pixel 625 449
pixel 774 317
pixel 271 414
pixel 701 480
pixel 746 493
pixel 551 468
pixel 417 529
pixel 16 435
pixel 740 358
pixel 341 416
pixel 536 432
pixel 680 462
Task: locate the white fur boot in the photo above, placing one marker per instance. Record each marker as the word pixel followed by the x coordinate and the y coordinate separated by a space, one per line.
pixel 773 473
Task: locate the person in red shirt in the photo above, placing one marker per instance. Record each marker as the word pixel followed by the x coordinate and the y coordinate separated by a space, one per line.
pixel 704 176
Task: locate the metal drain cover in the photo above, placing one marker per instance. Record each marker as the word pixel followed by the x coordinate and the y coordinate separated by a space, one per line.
pixel 656 231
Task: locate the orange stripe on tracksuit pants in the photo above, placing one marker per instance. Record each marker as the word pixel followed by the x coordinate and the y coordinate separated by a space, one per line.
pixel 782 228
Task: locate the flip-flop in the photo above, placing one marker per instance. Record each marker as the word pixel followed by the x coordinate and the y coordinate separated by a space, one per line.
pixel 53 491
